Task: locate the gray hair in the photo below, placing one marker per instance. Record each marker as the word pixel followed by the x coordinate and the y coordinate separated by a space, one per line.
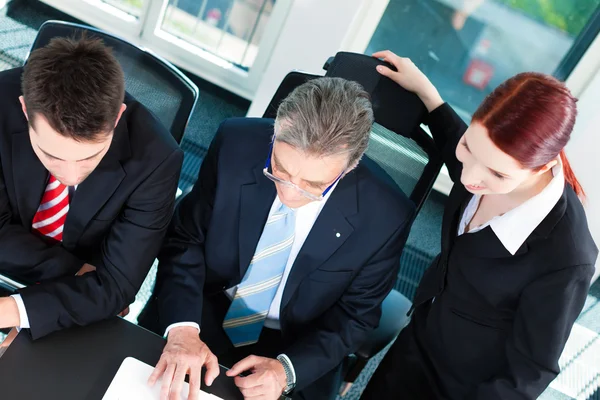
pixel 326 116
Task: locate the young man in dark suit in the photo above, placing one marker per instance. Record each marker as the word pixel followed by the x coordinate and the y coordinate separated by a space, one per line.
pixel 88 179
pixel 282 253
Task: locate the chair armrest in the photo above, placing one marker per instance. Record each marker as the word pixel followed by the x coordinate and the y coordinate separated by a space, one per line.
pixel 393 319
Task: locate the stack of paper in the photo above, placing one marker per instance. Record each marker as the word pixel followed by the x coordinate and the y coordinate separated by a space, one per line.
pixel 130 383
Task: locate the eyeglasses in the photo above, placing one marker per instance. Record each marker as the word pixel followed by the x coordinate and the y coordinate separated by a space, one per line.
pixel 289 184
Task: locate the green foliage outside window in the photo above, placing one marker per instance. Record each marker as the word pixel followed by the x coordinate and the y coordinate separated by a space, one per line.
pixel 569 16
pixel 134 3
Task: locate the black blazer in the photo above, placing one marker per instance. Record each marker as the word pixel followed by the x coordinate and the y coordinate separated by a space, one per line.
pixel 499 322
pixel 333 295
pixel 117 218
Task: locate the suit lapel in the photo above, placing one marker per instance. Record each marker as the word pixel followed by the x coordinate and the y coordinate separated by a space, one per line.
pixel 97 189
pixel 29 175
pixel 328 234
pixel 457 202
pixel 89 198
pixel 255 203
pixel 484 244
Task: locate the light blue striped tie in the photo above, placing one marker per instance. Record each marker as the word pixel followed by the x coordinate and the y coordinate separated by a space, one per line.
pixel 247 313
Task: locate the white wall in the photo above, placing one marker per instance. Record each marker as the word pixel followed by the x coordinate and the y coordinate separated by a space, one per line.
pixel 314 31
pixel 583 153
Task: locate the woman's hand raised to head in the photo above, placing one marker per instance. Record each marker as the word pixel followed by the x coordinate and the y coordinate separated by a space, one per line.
pixel 410 78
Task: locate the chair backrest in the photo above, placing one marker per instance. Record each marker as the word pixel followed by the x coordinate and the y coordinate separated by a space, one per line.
pixel 153 81
pixel 287 86
pixel 398 149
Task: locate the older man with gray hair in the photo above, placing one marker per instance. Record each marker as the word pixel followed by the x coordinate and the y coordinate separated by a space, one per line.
pixel 277 262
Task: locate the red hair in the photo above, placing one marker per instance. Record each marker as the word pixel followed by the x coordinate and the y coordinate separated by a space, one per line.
pixel 531 117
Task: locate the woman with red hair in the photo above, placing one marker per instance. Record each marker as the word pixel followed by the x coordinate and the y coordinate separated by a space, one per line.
pixel 493 312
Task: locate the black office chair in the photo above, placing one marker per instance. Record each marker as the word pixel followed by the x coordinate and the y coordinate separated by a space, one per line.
pixel 153 81
pixel 399 151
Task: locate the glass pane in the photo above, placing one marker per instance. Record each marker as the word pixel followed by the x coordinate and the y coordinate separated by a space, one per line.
pixel 468 47
pixel 131 7
pixel 230 29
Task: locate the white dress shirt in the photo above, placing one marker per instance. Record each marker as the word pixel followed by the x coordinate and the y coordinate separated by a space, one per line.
pixel 24 319
pixel 305 219
pixel 514 227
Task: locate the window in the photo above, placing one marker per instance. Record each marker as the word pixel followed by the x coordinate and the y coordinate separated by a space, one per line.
pixel 131 7
pixel 468 47
pixel 229 29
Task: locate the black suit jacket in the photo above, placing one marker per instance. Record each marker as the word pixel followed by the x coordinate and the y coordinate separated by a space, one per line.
pixel 499 322
pixel 117 218
pixel 333 294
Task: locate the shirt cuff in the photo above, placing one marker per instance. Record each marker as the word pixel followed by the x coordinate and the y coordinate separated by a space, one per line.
pixel 24 320
pixel 177 325
pixel 290 365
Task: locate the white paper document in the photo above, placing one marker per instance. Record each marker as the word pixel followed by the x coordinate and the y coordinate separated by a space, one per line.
pixel 131 383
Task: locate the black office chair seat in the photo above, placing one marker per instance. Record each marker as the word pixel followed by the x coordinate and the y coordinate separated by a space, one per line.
pixel 394 310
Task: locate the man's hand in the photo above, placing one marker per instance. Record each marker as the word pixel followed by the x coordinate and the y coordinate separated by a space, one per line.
pixel 85 269
pixel 267 381
pixel 9 313
pixel 184 354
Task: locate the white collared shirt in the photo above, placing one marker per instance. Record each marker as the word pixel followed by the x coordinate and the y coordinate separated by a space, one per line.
pixel 514 227
pixel 305 219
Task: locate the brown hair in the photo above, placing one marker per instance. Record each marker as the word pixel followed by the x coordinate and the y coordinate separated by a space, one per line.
pixel 531 117
pixel 77 85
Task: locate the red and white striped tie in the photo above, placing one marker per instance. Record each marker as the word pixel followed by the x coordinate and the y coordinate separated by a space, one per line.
pixel 51 215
